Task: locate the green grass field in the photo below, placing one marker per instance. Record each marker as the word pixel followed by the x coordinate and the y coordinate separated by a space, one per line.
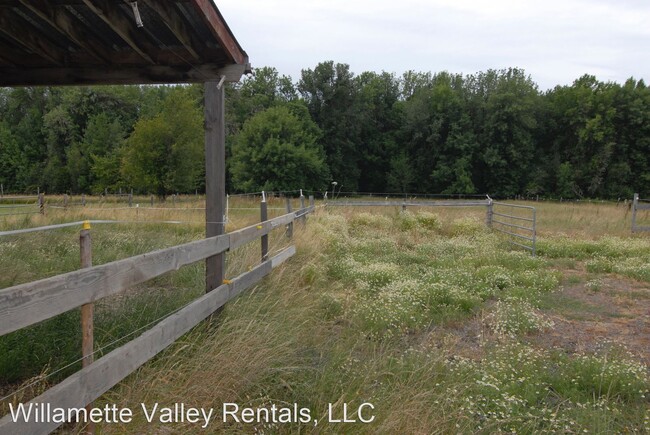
pixel 427 315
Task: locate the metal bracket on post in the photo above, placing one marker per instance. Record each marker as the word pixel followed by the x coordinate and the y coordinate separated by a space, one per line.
pixel 221 81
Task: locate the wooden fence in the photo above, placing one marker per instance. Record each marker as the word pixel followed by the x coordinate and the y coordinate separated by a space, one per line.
pixel 21 205
pixel 26 304
pixel 637 205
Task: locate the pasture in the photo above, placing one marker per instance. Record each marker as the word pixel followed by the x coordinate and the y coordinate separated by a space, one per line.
pixel 428 315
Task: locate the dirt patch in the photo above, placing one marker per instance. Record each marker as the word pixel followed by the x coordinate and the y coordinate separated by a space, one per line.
pixel 617 311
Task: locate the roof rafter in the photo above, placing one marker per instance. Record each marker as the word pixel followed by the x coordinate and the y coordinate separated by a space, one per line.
pixel 219 28
pixel 111 14
pixel 177 25
pixel 65 22
pixel 13 25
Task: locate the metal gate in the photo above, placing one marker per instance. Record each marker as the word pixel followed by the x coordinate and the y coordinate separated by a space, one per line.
pixel 518 222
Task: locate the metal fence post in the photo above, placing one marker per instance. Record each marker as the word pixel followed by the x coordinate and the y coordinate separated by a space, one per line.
pixel 265 238
pixel 87 312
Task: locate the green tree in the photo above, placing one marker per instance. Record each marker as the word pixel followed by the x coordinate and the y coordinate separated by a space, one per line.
pixel 331 93
pixel 277 149
pixel 164 154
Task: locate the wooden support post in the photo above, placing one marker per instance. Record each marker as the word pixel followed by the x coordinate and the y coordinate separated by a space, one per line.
pixel 87 313
pixel 65 200
pixel 41 203
pixel 83 199
pixel 635 202
pixel 2 190
pixel 151 200
pixel 311 200
pixel 215 179
pixel 290 224
pixel 131 198
pixel 264 215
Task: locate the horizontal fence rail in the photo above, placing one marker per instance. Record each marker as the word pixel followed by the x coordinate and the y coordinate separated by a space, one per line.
pixel 26 304
pixel 519 233
pixel 49 297
pixel 405 203
pixel 91 382
pixel 639 204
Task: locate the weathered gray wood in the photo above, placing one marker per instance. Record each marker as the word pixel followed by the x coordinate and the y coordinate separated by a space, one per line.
pixel 290 224
pixel 283 256
pixel 248 234
pixel 303 219
pixel 215 179
pixel 91 382
pixel 111 14
pixel 175 23
pixel 643 206
pixel 52 296
pixel 119 75
pixel 264 241
pixel 66 23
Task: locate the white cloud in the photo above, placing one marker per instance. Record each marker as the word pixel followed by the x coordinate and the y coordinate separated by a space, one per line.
pixel 555 41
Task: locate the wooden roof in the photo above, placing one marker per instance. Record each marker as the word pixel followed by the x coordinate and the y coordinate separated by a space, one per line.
pixel 83 42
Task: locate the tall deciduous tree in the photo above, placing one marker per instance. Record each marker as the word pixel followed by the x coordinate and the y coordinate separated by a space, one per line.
pixel 277 149
pixel 164 154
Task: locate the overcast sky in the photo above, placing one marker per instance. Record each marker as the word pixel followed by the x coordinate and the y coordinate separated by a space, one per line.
pixel 555 41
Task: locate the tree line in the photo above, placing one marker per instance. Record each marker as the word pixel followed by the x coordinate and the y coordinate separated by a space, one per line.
pixel 492 132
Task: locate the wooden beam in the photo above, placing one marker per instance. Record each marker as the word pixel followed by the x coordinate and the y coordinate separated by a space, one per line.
pixel 23 33
pixel 215 179
pixel 125 27
pixel 30 303
pixel 59 18
pixel 176 24
pixel 217 25
pixel 52 296
pixel 91 382
pixel 152 74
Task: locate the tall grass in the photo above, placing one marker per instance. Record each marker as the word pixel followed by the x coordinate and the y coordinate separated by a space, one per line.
pixel 425 314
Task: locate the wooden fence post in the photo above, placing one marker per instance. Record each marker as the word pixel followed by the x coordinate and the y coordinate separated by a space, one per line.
pixel 311 200
pixel 635 202
pixel 489 213
pixel 65 200
pixel 290 224
pixel 87 312
pixel 303 218
pixel 131 198
pixel 41 203
pixel 83 199
pixel 265 238
pixel 151 200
